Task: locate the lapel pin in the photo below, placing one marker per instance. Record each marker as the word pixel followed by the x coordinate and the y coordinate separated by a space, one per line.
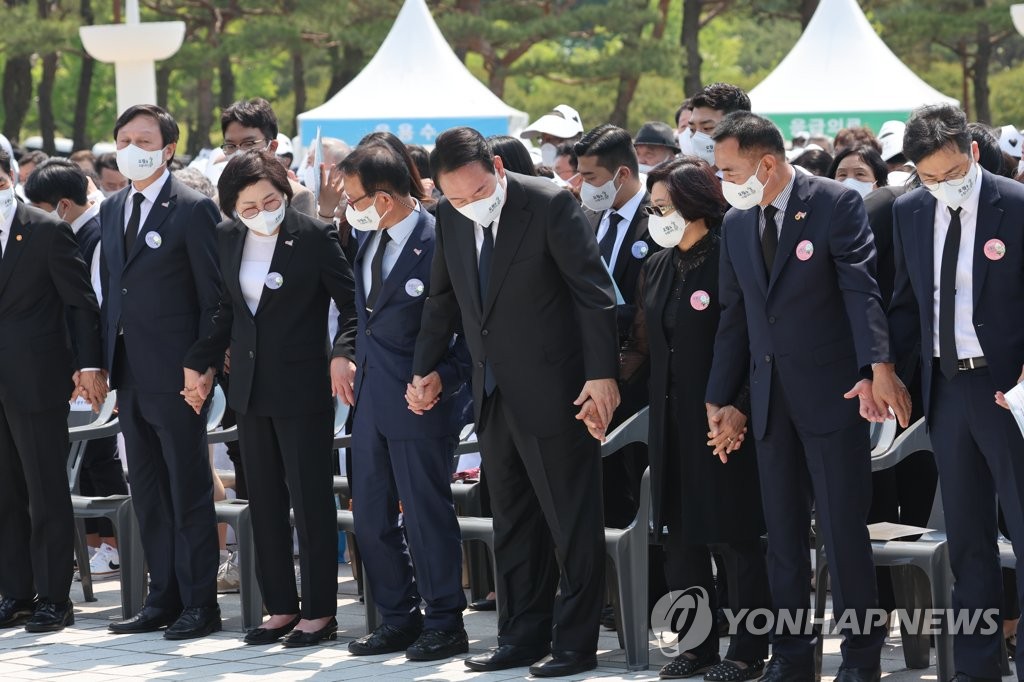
pixel 804 250
pixel 417 251
pixel 639 249
pixel 800 216
pixel 700 300
pixel 154 240
pixel 17 238
pixel 289 242
pixel 414 287
pixel 166 204
pixel 274 280
pixel 995 249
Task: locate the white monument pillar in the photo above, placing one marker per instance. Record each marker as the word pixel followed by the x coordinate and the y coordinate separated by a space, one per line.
pixel 133 48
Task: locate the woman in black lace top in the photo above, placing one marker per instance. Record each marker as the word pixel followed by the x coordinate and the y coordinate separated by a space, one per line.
pixel 701 499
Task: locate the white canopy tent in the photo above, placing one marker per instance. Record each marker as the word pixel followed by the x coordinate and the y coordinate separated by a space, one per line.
pixel 414 87
pixel 840 74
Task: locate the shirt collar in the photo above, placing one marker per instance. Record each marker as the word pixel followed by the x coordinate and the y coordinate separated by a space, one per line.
pixel 400 231
pixel 782 200
pixel 89 214
pixel 153 191
pixel 9 219
pixel 628 209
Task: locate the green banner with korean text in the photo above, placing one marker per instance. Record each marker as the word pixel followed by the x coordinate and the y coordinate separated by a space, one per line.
pixel 832 122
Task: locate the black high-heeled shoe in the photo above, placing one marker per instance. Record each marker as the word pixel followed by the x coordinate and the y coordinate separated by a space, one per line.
pixel 262 635
pixel 298 638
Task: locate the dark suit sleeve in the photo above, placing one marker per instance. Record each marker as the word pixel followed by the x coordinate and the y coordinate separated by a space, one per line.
pixel 904 331
pixel 456 368
pixel 440 311
pixel 853 253
pixel 730 366
pixel 201 245
pixel 573 247
pixel 70 275
pixel 208 351
pixel 336 274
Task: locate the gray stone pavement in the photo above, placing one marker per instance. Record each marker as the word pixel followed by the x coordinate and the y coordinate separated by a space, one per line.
pixel 86 652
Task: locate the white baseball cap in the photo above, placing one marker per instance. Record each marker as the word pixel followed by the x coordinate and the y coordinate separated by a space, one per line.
pixel 563 122
pixel 891 138
pixel 1010 140
pixel 284 145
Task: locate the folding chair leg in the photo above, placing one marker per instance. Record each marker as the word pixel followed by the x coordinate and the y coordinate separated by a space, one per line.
pixel 372 615
pixel 82 558
pixel 820 599
pixel 632 590
pixel 133 564
pixel 249 589
pixel 912 591
pixel 942 599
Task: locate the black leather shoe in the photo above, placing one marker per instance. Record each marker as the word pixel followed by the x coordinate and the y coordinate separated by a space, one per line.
pixel 262 635
pixel 433 645
pixel 195 622
pixel 387 639
pixel 50 617
pixel 506 656
pixel 15 612
pixel 964 677
pixel 859 675
pixel 149 619
pixel 781 670
pixel 563 663
pixel 689 664
pixel 483 605
pixel 298 638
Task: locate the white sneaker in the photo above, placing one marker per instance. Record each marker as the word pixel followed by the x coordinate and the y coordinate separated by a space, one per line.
pixel 229 577
pixel 105 563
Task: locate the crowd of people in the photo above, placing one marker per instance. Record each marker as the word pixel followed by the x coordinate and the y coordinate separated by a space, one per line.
pixel 766 305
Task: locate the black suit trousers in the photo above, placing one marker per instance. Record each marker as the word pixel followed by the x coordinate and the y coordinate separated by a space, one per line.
pixel 35 503
pixel 288 461
pixel 833 470
pixel 978 450
pixel 547 508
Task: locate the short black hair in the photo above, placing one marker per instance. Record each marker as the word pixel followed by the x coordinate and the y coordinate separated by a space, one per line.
pixel 108 161
pixel 379 168
pixel 5 162
pixel 253 113
pixel 687 104
pixel 754 134
pixel 818 161
pixel 935 127
pixel 568 149
pixel 246 168
pixel 57 179
pixel 416 188
pixel 35 157
pixel 722 97
pixel 169 131
pixel 870 156
pixel 612 145
pixel 421 157
pixel 693 188
pixel 514 154
pixel 458 147
pixel 990 154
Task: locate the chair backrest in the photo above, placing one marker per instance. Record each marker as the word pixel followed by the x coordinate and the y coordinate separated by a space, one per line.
pixel 882 436
pixel 86 417
pixel 218 405
pixel 913 439
pixel 341 411
pixel 633 430
pixel 99 425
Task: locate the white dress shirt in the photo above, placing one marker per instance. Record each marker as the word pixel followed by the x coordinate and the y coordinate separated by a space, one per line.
pixel 399 233
pixel 627 211
pixel 94 266
pixel 967 344
pixel 257 253
pixel 5 228
pixel 151 193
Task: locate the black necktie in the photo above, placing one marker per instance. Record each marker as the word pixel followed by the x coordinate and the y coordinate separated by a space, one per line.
pixel 484 271
pixel 132 231
pixel 376 269
pixel 1 246
pixel 769 238
pixel 607 243
pixel 947 296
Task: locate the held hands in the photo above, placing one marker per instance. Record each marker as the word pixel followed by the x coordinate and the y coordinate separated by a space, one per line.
pixel 343 380
pixel 424 392
pixel 604 395
pixel 198 388
pixel 727 427
pixel 1001 397
pixel 877 396
pixel 91 386
pixel 592 421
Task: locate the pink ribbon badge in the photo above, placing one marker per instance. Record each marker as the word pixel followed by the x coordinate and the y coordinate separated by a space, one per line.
pixel 700 300
pixel 804 250
pixel 995 249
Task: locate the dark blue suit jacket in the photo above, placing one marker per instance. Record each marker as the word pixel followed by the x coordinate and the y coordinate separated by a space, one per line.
pixel 164 298
pixel 998 285
pixel 387 339
pixel 819 322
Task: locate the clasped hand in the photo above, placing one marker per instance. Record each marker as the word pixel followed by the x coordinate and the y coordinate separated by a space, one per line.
pixel 727 427
pixel 91 386
pixel 197 388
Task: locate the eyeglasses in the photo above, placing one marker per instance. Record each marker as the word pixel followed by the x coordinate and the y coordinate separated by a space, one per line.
pixel 268 206
pixel 651 209
pixel 956 179
pixel 355 201
pixel 229 148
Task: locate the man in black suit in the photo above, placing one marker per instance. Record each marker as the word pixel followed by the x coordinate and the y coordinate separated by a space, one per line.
pixel 801 309
pixel 44 294
pixel 959 299
pixel 161 287
pixel 516 256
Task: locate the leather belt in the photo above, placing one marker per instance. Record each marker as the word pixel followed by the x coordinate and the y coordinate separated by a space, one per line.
pixel 967 364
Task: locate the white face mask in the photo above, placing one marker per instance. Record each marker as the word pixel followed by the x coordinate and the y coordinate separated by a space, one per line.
pixel 485 211
pixel 747 195
pixel 266 222
pixel 859 186
pixel 667 231
pixel 367 220
pixel 56 213
pixel 6 203
pixel 1020 166
pixel 599 198
pixel 685 142
pixel 703 147
pixel 548 154
pixel 954 195
pixel 137 164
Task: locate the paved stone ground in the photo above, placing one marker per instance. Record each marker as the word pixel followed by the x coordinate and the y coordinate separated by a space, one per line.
pixel 87 652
